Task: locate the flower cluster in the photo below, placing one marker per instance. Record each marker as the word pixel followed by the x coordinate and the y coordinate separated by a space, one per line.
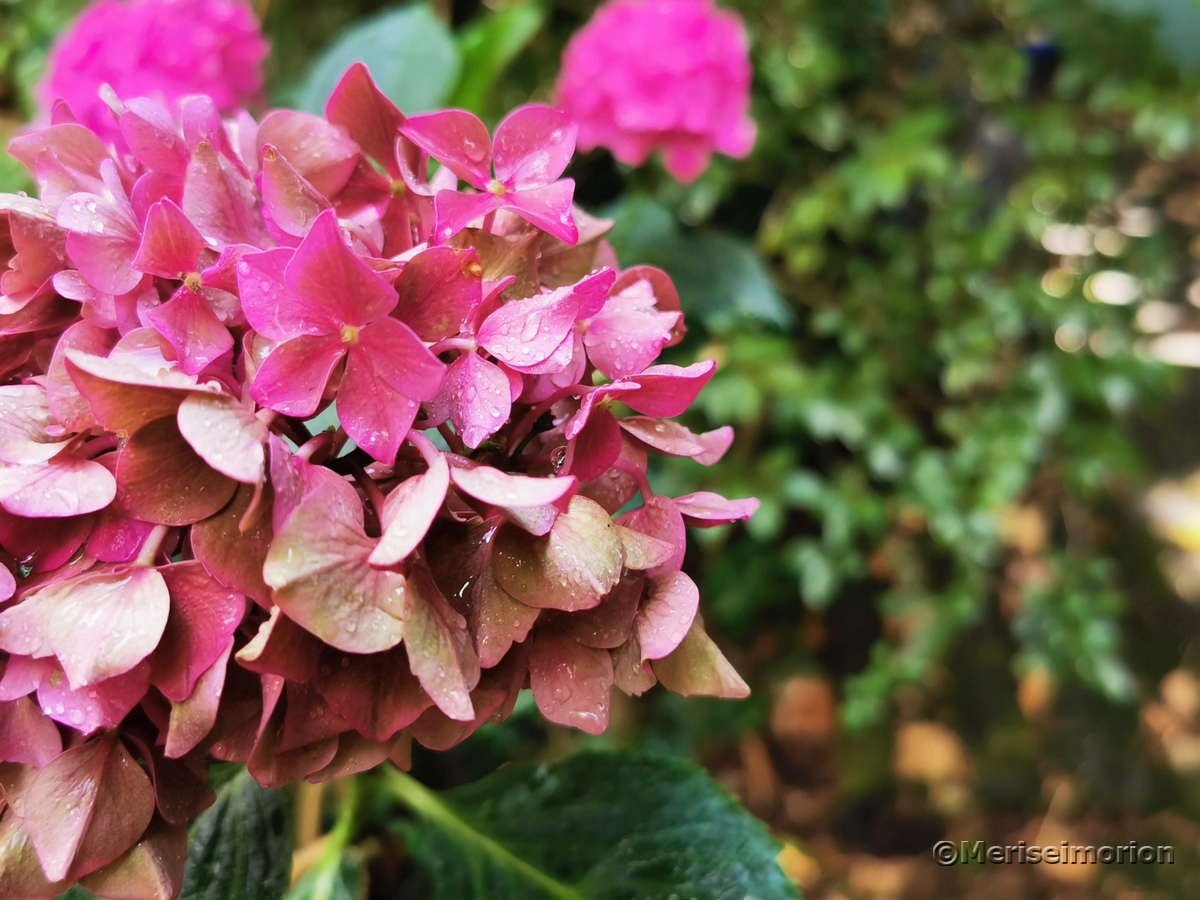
pixel 188 572
pixel 163 49
pixel 661 75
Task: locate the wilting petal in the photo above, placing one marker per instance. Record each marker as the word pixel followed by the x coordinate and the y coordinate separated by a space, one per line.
pixel 697 666
pixel 123 395
pixel 232 555
pixel 533 145
pixel 571 568
pixel 375 692
pixel 152 868
pixel 660 518
pixel 664 619
pixel 161 479
pixel 203 617
pixel 318 567
pixel 439 649
pixel 109 796
pixel 193 716
pixel 26 735
pixel 496 620
pixel 571 683
pixel 608 625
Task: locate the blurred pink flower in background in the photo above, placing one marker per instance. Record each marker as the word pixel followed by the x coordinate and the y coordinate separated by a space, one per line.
pixel 165 49
pixel 665 75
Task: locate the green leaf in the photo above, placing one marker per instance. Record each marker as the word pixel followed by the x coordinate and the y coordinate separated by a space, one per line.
pixel 488 46
pixel 598 825
pixel 340 881
pixel 720 278
pixel 240 848
pixel 410 53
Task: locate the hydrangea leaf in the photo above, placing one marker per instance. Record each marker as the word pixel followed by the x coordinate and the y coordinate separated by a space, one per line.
pixel 598 825
pixel 240 848
pixel 410 54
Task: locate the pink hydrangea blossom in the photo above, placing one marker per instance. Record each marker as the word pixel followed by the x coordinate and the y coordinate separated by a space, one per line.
pixel 660 75
pixel 188 572
pixel 163 49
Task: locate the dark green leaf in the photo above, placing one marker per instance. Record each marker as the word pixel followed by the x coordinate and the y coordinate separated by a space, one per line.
pixel 410 53
pixel 240 848
pixel 596 825
pixel 488 46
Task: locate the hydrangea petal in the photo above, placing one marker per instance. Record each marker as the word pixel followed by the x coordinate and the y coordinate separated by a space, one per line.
pixel 533 145
pixel 571 683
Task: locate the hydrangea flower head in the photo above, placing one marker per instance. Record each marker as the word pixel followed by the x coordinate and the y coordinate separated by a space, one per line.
pixel 163 49
pixel 660 75
pixel 188 572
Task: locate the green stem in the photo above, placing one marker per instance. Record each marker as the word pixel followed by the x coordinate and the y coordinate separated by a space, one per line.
pixel 336 843
pixel 426 804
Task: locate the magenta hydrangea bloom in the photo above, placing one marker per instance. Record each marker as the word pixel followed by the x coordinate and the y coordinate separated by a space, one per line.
pixel 163 49
pixel 188 572
pixel 660 75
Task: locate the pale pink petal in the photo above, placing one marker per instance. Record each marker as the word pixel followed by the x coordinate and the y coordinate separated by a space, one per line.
pixel 225 434
pixel 409 511
pixel 63 486
pixel 705 509
pixel 510 490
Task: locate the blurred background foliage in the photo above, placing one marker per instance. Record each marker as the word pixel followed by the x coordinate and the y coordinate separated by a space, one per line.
pixel 953 296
